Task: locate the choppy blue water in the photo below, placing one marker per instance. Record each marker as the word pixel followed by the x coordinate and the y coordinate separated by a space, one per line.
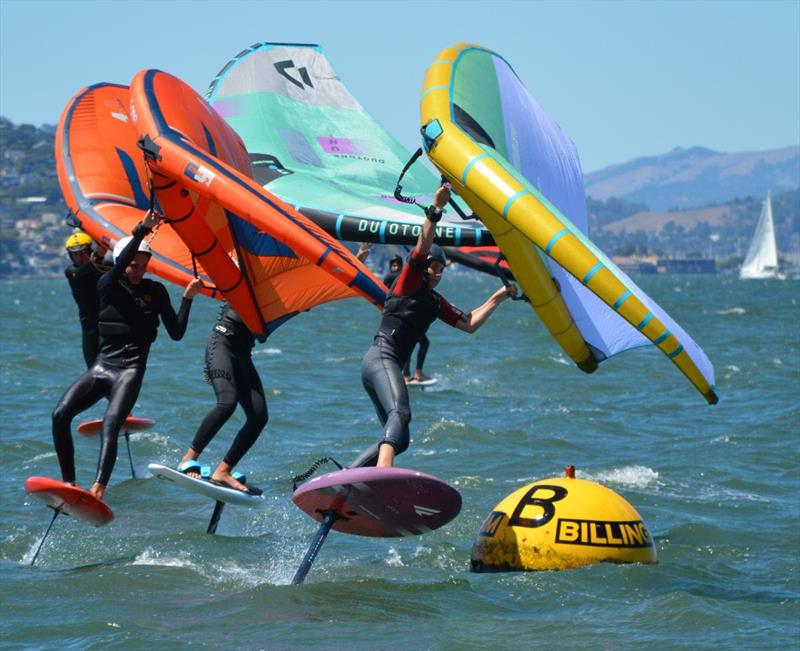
pixel 717 486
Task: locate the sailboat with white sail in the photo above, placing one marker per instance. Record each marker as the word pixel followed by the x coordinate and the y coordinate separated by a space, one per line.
pixel 761 260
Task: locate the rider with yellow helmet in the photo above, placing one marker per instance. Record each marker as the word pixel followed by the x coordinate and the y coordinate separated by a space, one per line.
pixel 83 274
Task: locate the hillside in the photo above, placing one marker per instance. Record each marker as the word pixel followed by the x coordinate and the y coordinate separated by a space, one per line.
pixel 32 212
pixel 717 231
pixel 690 178
pixel 32 228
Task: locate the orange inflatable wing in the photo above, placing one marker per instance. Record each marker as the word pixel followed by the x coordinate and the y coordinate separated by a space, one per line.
pixel 268 260
pixel 103 177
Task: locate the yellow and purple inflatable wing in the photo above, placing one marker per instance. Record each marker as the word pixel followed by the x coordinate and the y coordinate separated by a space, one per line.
pixel 521 176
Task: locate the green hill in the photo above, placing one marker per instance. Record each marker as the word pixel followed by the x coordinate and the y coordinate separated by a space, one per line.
pixel 32 213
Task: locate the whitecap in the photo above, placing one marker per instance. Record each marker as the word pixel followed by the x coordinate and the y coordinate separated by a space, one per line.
pixel 153 437
pixel 733 310
pixel 420 551
pixel 394 559
pixel 725 438
pixel 471 481
pixel 560 360
pixel 445 424
pixel 44 455
pixel 631 476
pixel 268 351
pixel 224 572
pixel 154 558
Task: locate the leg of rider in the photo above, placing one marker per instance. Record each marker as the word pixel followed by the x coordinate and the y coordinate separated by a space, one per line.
pixel 81 395
pixel 251 397
pixel 369 457
pixel 121 400
pixel 219 367
pixel 381 370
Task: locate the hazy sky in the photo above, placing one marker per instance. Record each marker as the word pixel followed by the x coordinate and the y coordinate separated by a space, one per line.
pixel 624 79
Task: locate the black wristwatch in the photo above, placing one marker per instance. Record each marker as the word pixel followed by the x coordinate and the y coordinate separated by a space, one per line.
pixel 433 213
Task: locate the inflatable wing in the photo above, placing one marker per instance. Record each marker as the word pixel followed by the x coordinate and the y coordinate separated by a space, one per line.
pixel 521 175
pixel 268 259
pixel 103 177
pixel 314 146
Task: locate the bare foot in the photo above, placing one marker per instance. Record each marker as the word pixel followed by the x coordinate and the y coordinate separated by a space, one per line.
pixel 191 456
pixel 226 478
pixel 98 490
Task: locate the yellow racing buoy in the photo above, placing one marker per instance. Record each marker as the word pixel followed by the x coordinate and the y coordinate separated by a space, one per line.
pixel 559 524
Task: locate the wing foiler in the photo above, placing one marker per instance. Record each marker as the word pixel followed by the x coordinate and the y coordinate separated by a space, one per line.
pixel 272 259
pixel 314 146
pixel 521 175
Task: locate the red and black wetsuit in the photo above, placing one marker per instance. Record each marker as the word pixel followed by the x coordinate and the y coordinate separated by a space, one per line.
pixel 128 324
pixel 423 342
pixel 410 308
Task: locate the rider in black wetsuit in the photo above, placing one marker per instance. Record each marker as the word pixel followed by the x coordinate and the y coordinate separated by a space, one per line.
pixel 130 307
pixel 83 274
pixel 410 308
pixel 230 370
pixel 395 265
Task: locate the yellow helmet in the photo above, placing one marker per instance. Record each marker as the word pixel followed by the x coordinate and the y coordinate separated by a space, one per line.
pixel 77 242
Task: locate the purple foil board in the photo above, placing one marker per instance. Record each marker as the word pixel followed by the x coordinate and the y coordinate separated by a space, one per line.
pixel 380 502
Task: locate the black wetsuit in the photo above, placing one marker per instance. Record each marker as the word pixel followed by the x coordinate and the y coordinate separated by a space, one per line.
pixel 230 370
pixel 128 324
pixel 83 283
pixel 423 342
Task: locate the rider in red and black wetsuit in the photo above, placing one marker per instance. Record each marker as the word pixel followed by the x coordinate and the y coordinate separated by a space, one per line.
pixel 395 265
pixel 410 308
pixel 130 308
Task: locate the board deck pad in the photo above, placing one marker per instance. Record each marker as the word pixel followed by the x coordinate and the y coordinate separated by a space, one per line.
pixel 204 487
pixel 380 502
pixel 131 424
pixel 72 500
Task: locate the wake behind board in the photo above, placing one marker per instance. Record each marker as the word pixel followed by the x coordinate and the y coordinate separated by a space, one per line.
pixel 71 500
pixel 205 487
pixel 380 502
pixel 428 382
pixel 131 424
